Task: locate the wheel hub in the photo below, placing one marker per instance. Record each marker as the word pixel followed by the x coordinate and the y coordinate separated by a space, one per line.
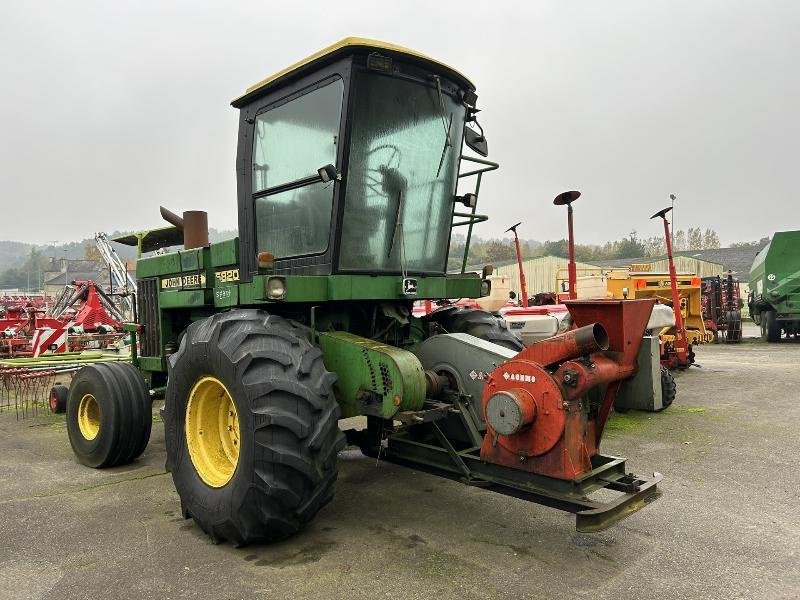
pixel 212 431
pixel 89 417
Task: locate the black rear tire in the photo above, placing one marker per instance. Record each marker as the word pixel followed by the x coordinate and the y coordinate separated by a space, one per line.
pixel 770 327
pixel 288 434
pixel 668 388
pixel 481 324
pixel 58 398
pixel 109 414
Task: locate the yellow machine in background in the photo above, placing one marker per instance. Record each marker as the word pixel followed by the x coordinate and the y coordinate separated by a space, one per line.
pixel 636 282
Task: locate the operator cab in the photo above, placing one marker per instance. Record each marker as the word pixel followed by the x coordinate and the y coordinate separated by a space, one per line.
pixel 348 162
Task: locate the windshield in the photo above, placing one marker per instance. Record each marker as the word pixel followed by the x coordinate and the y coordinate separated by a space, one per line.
pixel 404 155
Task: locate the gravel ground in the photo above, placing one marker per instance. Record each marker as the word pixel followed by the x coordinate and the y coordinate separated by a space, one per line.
pixel 727 525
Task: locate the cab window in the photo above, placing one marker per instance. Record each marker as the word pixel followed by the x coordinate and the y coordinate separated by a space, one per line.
pixel 290 143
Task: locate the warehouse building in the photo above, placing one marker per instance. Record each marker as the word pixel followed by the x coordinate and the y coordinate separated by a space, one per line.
pixel 541 273
pixel 683 264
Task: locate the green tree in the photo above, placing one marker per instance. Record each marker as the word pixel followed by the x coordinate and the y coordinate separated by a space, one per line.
pixel 751 245
pixel 654 246
pixel 679 240
pixel 710 239
pixel 555 248
pixel 499 250
pixel 694 238
pixel 630 247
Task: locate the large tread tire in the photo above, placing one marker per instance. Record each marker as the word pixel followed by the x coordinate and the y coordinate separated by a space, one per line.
pixel 770 327
pixel 288 426
pixel 58 399
pixel 123 409
pixel 481 324
pixel 668 388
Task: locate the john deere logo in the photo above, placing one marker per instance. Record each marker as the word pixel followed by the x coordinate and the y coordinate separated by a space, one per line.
pixel 409 286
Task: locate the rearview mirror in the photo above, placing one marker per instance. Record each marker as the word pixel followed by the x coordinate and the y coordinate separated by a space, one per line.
pixel 327 173
pixel 476 141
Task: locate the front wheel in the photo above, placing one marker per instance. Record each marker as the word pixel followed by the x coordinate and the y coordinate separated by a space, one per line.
pixel 251 426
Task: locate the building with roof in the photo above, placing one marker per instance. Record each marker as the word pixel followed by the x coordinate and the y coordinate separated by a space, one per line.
pixel 62 271
pixel 660 264
pixel 738 260
pixel 541 272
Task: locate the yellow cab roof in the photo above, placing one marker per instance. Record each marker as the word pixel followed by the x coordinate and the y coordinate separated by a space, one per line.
pixel 345 46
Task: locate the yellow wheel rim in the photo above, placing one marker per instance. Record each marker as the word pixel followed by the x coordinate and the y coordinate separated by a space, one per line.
pixel 89 417
pixel 212 431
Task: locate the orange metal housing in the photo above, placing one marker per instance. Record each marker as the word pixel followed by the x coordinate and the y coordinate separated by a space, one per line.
pixel 571 379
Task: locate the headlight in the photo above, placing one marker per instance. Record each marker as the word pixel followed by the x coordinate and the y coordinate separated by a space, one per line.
pixel 486 288
pixel 276 288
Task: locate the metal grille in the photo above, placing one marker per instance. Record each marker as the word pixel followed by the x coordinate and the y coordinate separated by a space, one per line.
pixel 147 304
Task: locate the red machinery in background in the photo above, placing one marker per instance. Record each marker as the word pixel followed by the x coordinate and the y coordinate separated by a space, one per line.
pixel 95 311
pixel 722 307
pixel 679 356
pixel 84 317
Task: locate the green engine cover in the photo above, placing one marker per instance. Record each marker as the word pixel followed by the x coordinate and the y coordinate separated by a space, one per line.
pixel 373 378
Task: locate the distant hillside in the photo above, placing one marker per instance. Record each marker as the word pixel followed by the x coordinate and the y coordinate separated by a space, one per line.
pixel 14 254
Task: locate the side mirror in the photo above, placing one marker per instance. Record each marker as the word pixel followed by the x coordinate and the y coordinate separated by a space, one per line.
pixel 476 141
pixel 468 200
pixel 328 173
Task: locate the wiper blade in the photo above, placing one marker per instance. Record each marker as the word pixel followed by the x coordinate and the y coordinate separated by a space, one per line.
pixel 397 224
pixel 447 126
pixel 447 144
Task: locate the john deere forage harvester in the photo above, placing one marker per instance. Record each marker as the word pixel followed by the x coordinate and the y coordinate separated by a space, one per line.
pixel 348 169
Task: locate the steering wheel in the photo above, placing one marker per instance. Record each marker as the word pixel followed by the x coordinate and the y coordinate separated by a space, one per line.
pixel 376 177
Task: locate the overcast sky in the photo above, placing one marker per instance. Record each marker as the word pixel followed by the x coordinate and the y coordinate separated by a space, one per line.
pixel 109 109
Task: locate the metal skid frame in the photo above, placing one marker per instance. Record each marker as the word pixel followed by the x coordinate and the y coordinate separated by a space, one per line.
pixel 423 445
pixel 568 495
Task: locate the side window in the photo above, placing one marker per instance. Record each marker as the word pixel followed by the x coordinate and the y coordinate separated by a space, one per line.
pixel 291 142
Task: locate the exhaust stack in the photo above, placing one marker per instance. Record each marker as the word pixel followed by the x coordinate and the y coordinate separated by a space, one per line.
pixel 193 224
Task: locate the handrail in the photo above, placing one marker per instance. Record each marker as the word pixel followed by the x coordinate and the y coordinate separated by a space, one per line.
pixel 473 218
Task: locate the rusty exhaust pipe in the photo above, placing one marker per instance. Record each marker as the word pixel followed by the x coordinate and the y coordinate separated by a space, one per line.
pixel 193 224
pixel 195 229
pixel 571 344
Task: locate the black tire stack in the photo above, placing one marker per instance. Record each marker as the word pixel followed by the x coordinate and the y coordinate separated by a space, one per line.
pixel 733 326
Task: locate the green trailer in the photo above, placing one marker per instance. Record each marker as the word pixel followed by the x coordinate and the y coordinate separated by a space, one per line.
pixel 774 298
